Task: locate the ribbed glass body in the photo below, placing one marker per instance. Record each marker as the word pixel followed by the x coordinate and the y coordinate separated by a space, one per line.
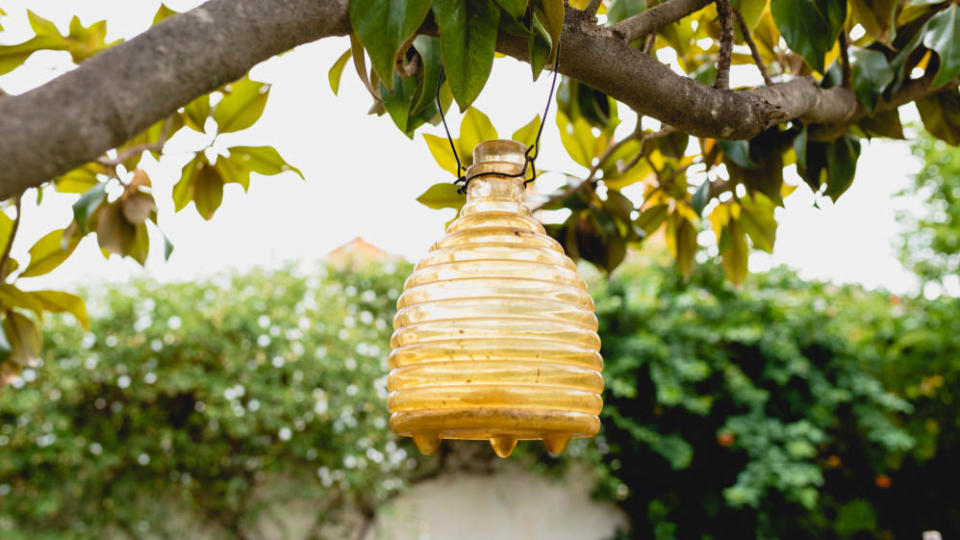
pixel 495 334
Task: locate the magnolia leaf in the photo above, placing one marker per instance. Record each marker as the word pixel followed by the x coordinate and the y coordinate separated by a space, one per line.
pixel 701 197
pixel 167 247
pixel 622 9
pixel 468 39
pixel 262 159
pixel 734 253
pixel 114 233
pixel 63 302
pixel 51 250
pixel 876 17
pixel 885 124
pixel 6 227
pixel 577 139
pixel 163 13
pixel 184 188
pixel 241 105
pixel 943 36
pixel 810 27
pixel 24 338
pixel 87 204
pixel 207 191
pixel 842 157
pixel 527 135
pixel 383 27
pixel 756 218
pixel 550 13
pixel 941 115
pixel 196 113
pixel 81 179
pixel 442 195
pixel 137 207
pixel 336 71
pixel 440 149
pixel 871 74
pixel 474 129
pixel 12 297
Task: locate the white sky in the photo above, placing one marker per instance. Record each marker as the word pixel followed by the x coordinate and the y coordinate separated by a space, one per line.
pixel 363 176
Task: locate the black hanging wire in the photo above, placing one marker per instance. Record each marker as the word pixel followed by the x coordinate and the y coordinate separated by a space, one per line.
pixel 530 156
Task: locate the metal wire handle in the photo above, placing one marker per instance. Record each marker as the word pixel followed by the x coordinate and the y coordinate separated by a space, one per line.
pixel 464 181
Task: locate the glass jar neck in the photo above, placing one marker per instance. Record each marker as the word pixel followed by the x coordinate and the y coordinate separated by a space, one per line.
pixel 495 194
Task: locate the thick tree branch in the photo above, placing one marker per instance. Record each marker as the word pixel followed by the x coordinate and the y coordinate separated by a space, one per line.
pixel 115 95
pixel 651 20
pixel 122 91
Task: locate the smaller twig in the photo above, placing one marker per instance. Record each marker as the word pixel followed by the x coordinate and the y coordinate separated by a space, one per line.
pixel 648 45
pixel 139 148
pixel 726 45
pixel 642 153
pixel 846 74
pixel 13 234
pixel 592 7
pixel 754 51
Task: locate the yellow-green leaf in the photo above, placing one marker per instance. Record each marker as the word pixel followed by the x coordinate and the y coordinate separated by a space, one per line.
pixel 63 302
pixel 196 112
pixel 208 191
pixel 262 159
pixel 49 252
pixel 577 139
pixel 474 129
pixel 81 179
pixel 336 71
pixel 527 135
pixel 23 337
pixel 442 195
pixel 12 297
pixel 241 106
pixel 440 149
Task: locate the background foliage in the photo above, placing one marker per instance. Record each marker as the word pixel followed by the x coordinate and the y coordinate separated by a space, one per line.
pixel 780 409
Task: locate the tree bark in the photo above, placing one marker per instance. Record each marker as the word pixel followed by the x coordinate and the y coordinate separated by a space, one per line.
pixel 115 95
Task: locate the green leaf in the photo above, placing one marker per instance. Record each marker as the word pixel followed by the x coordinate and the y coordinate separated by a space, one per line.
pixel 262 159
pixel 87 204
pixel 539 47
pixel 336 71
pixel 871 74
pixel 167 247
pixel 468 39
pixel 809 27
pixel 842 157
pixel 23 337
pixel 233 170
pixel 207 191
pixel 163 13
pixel 63 302
pixel 41 26
pixel 13 297
pixel 876 17
pixel 943 36
pixel 750 10
pixel 681 238
pixel 475 128
pixel 241 106
pixel 550 13
pixel 622 9
pixel 673 145
pixel 885 124
pixel 514 8
pixel 86 41
pixel 577 139
pixel 527 135
pixel 757 220
pixel 738 152
pixel 49 252
pixel 618 205
pixel 383 27
pixel 81 179
pixel 651 218
pixel 183 190
pixel 701 197
pixel 940 114
pixel 196 113
pixel 440 149
pixel 442 195
pixel 12 56
pixel 137 207
pixel 734 253
pixel 6 227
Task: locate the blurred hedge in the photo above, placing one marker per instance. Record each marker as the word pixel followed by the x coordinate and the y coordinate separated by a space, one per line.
pixel 785 409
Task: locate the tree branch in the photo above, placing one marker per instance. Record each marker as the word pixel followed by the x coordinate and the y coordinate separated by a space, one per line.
pixel 117 94
pixel 725 55
pixel 592 7
pixel 646 22
pixel 754 51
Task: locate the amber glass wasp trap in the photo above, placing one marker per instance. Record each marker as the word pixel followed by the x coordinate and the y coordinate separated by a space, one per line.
pixel 495 334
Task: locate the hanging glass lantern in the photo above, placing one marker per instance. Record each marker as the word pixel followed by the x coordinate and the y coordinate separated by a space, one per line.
pixel 495 336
